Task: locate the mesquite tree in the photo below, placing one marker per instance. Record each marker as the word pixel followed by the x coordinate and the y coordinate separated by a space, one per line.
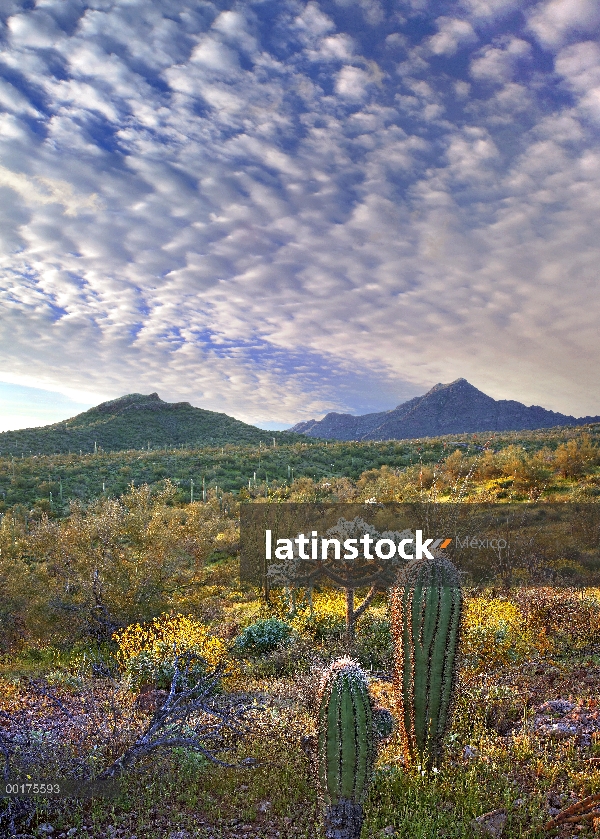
pixel 344 572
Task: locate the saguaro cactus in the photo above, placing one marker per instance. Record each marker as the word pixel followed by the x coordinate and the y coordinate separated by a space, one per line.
pixel 346 747
pixel 426 605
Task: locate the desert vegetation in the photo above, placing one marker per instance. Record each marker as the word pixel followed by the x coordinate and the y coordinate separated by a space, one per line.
pixel 173 700
pixel 513 466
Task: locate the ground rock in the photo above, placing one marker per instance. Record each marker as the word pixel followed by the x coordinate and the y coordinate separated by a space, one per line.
pixel 491 824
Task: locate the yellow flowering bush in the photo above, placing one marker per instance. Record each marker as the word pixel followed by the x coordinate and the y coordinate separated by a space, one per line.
pixel 327 617
pixel 495 633
pixel 146 652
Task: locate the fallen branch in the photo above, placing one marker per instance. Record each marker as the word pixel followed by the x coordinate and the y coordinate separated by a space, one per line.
pixel 175 724
pixel 580 811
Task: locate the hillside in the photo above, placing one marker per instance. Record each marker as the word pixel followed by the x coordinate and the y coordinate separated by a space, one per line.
pixel 455 408
pixel 136 421
pixel 317 469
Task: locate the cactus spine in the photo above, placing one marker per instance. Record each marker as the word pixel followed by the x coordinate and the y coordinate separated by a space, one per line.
pixel 426 605
pixel 346 747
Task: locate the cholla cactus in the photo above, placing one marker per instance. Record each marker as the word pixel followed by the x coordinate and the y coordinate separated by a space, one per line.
pixel 346 747
pixel 426 608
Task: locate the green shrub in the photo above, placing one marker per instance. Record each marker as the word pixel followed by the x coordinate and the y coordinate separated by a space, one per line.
pixel 374 643
pixel 147 668
pixel 262 637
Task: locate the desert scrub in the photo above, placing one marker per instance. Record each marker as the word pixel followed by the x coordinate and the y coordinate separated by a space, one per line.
pixel 146 652
pixel 321 616
pixel 569 619
pixel 262 637
pixel 496 633
pixel 374 648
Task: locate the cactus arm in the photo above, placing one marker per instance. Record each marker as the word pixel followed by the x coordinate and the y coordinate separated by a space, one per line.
pixel 346 746
pixel 440 679
pixel 425 606
pixel 364 741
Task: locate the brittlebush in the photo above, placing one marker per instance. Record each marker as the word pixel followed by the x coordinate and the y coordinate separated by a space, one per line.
pixel 146 652
pixel 496 633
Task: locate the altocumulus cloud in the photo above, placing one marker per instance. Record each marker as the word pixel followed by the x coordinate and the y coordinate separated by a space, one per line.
pixel 279 209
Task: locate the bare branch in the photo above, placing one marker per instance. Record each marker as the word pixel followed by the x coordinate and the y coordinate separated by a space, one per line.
pixel 366 602
pixel 168 726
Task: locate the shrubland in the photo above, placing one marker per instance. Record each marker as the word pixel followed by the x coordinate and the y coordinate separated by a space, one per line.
pixel 104 598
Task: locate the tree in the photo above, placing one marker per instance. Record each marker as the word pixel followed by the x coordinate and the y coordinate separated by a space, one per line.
pixel 347 573
pixel 121 561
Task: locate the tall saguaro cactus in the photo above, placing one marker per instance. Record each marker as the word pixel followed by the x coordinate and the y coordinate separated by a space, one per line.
pixel 426 605
pixel 346 747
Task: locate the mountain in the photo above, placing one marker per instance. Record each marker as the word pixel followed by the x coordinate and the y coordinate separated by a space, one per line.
pixel 455 408
pixel 134 422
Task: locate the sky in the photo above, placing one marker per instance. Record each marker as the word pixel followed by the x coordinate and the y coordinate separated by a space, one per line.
pixel 280 208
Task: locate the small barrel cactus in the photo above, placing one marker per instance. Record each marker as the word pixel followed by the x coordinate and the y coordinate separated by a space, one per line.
pixel 426 605
pixel 346 747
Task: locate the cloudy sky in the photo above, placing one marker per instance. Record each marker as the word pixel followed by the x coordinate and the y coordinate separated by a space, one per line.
pixel 278 208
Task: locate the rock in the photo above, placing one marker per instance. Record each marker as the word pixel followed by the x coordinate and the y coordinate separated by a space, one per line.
pixel 179 834
pixel 45 829
pixel 491 824
pixel 562 731
pixel 71 831
pixel 556 706
pixel 308 744
pixel 469 752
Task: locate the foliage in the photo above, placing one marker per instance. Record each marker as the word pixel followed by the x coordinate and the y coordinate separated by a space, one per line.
pixel 320 614
pixel 374 643
pixel 546 461
pixel 523 774
pixel 347 573
pixel 116 562
pixel 562 619
pixel 262 637
pixel 147 652
pixel 496 633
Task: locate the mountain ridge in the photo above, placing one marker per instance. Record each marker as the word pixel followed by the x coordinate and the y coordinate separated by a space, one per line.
pixel 454 408
pixel 136 421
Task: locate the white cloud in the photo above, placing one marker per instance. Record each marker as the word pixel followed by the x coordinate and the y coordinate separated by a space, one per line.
pixel 352 82
pixel 52 191
pixel 499 63
pixel 257 216
pixel 215 56
pixel 452 33
pixel 555 21
pixel 470 152
pixel 12 100
pixel 233 26
pixel 34 29
pixel 313 21
pixel 579 64
pixel 335 47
